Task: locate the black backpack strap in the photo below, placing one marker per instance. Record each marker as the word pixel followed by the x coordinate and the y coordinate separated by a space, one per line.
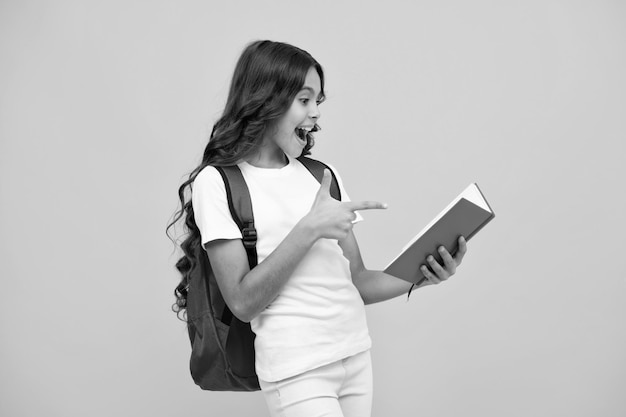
pixel 316 168
pixel 240 206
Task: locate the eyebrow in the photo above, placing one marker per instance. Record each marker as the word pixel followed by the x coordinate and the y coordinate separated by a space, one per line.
pixel 309 89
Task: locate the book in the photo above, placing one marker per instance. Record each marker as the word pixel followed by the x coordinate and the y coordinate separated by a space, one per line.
pixel 465 216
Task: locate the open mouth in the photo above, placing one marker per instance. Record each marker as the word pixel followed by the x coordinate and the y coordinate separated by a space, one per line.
pixel 301 132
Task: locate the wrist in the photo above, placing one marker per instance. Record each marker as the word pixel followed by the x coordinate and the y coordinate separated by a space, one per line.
pixel 307 230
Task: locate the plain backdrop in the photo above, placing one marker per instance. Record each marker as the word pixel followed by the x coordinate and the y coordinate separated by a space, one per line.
pixel 105 107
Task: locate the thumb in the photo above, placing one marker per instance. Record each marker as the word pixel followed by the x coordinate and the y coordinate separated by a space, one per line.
pixel 325 184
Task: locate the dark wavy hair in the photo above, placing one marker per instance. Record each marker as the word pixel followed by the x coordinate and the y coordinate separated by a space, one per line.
pixel 267 77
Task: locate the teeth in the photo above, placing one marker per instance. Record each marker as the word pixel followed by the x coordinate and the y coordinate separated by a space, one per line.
pixel 302 132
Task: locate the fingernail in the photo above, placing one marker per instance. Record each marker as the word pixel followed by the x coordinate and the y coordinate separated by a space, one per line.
pixel 441 249
pixel 385 205
pixel 430 259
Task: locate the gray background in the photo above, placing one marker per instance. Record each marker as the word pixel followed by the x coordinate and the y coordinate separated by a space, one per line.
pixel 104 106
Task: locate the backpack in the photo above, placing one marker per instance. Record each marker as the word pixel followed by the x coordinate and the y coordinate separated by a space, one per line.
pixel 222 346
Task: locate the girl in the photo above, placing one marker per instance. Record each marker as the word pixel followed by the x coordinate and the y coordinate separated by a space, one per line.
pixel 305 299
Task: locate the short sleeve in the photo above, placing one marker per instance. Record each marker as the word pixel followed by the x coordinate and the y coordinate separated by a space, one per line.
pixel 210 207
pixel 344 194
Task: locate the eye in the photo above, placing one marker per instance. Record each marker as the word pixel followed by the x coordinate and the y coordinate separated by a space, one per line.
pixel 304 101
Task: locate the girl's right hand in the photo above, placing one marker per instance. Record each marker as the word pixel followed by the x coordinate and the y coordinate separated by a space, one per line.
pixel 332 219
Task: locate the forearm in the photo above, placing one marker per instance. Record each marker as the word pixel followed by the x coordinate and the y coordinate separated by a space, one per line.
pixel 260 286
pixel 377 286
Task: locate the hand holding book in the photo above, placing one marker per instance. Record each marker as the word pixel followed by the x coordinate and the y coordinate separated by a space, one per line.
pixel 468 213
pixel 441 272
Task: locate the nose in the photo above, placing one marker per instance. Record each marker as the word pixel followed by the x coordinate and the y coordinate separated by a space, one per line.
pixel 314 112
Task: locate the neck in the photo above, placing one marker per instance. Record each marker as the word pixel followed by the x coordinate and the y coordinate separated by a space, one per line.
pixel 268 157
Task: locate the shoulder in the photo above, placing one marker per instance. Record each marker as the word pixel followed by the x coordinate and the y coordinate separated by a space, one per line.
pixel 210 204
pixel 209 179
pixel 207 186
pixel 208 174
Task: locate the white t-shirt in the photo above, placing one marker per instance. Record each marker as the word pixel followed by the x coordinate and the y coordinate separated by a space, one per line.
pixel 319 316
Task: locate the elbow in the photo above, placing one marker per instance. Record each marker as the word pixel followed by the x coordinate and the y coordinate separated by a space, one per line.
pixel 245 318
pixel 240 301
pixel 360 282
pixel 368 298
pixel 245 301
pixel 243 312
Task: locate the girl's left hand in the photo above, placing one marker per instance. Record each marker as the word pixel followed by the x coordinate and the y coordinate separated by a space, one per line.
pixel 450 263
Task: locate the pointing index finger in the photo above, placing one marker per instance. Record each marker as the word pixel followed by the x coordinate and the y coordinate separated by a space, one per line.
pixel 366 205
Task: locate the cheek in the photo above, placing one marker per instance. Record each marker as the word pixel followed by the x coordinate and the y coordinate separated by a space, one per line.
pixel 297 113
pixel 279 127
pixel 285 129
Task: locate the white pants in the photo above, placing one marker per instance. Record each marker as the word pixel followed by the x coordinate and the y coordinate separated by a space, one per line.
pixel 339 389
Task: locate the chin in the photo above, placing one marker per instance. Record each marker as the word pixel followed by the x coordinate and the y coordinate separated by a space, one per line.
pixel 296 148
pixel 294 153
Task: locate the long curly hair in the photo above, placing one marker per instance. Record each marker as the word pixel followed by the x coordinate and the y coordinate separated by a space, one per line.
pixel 267 77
